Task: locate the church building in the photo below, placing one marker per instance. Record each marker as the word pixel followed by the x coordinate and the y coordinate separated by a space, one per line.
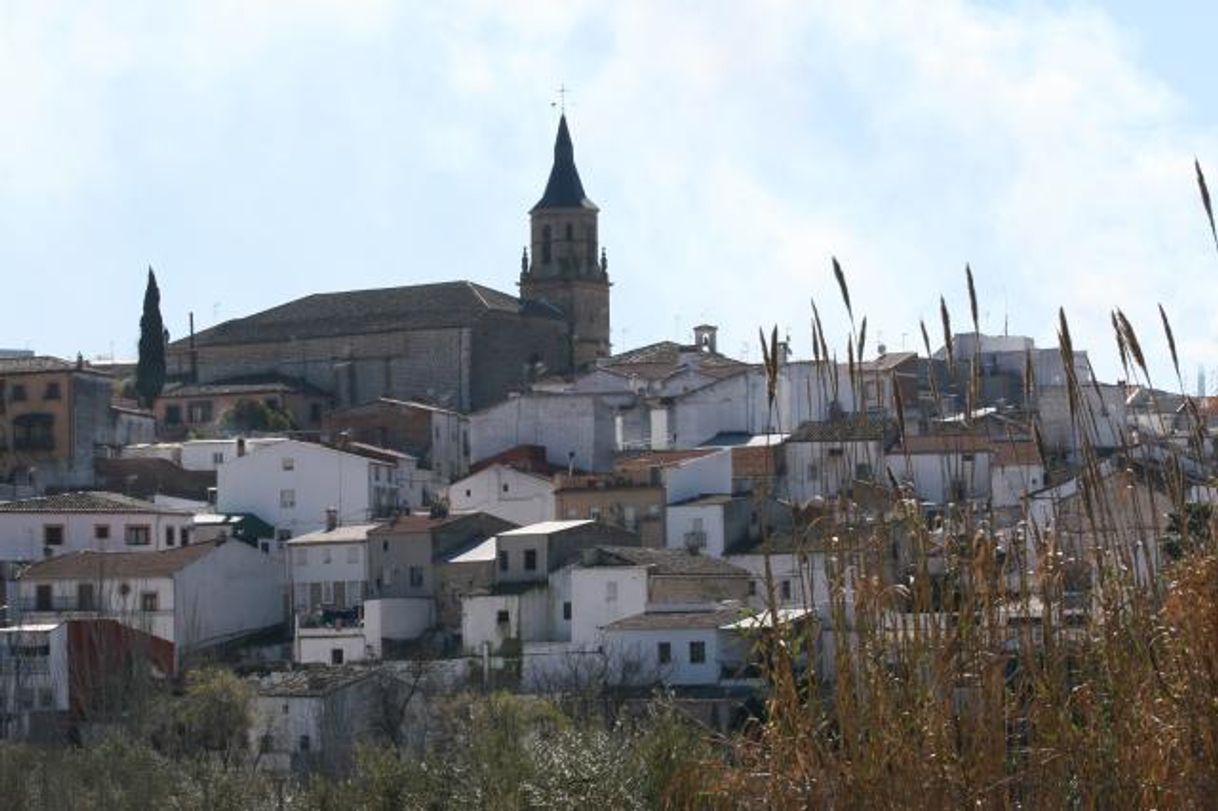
pixel 456 344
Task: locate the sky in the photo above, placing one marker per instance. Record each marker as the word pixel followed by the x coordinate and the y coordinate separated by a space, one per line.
pixel 254 152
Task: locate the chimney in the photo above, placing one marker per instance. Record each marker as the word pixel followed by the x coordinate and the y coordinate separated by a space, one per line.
pixel 194 355
pixel 331 519
pixel 704 337
pixel 240 446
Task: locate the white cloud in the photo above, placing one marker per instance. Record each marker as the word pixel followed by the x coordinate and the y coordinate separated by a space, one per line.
pixel 732 147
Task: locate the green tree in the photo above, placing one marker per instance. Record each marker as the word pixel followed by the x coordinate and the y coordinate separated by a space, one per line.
pixel 150 370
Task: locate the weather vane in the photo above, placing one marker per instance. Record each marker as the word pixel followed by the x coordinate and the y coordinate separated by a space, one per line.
pixel 561 104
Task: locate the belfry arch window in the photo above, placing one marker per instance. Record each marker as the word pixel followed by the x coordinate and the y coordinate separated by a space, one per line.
pixel 545 244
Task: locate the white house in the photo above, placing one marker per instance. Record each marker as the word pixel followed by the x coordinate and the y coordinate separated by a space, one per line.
pixel 329 577
pixel 54 676
pixel 680 648
pixel 1015 470
pixel 944 468
pixel 710 524
pixel 37 528
pixel 290 484
pixel 505 492
pixel 194 597
pixel 823 459
pixel 575 429
pixel 310 719
pixel 684 474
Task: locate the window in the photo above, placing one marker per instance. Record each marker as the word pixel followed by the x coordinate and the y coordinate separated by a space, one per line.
pixel 697 653
pixel 51 392
pixel 148 601
pixel 184 536
pixel 34 432
pixel 416 577
pixel 566 610
pixel 502 617
pixel 84 597
pixel 315 413
pixel 467 494
pixel 336 656
pixel 570 232
pixel 42 598
pixel 304 743
pixel 52 534
pixel 503 560
pixel 18 394
pixel 530 560
pixel 325 554
pixel 287 499
pixel 283 534
pixel 353 554
pixel 198 411
pixel 813 472
pixel 46 697
pixel 505 487
pixel 170 536
pixel 664 652
pixel 786 589
pixel 835 452
pixel 545 244
pixel 966 457
pixel 138 535
pixel 101 532
pixel 862 471
pixel 611 591
pixel 173 415
pixel 752 588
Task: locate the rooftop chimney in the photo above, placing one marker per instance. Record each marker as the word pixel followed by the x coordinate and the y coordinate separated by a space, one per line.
pixel 331 519
pixel 704 337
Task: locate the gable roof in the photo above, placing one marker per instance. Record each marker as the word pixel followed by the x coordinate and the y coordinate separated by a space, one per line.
pixel 352 312
pixel 673 458
pixel 942 443
pixel 691 620
pixel 86 502
pixel 664 358
pixel 344 533
pixel 91 564
pixel 666 562
pixel 35 364
pixel 849 429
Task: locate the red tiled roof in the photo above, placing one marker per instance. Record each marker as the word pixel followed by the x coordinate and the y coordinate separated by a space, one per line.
pixel 1016 453
pixel 649 459
pixel 943 443
pixel 90 564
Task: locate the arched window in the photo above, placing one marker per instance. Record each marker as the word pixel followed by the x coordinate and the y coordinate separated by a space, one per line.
pixel 570 232
pixel 545 244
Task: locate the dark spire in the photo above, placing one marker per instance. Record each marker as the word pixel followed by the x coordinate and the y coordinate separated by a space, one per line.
pixel 564 189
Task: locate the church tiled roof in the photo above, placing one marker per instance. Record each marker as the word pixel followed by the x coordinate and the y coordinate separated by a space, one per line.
pixel 321 315
pixel 564 189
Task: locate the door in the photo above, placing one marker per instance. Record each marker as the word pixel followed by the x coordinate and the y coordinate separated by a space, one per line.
pixel 340 594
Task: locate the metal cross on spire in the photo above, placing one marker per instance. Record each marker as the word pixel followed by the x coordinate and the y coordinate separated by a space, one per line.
pixel 561 104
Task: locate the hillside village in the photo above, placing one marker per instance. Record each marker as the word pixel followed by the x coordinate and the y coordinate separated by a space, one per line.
pixel 450 485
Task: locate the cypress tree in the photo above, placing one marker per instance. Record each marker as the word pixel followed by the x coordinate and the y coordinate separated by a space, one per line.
pixel 150 370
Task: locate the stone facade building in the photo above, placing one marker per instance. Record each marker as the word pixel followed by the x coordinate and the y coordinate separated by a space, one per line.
pixel 456 344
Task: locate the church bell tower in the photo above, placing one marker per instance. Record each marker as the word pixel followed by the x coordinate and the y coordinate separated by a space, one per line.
pixel 564 267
